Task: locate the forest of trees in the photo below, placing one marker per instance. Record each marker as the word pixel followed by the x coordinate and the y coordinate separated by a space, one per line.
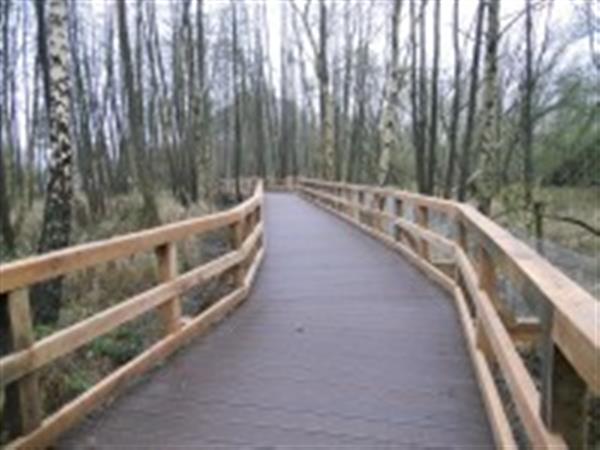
pixel 457 98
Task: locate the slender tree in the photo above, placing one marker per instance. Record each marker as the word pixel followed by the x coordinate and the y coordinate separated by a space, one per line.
pixel 526 122
pixel 237 106
pixel 487 182
pixel 455 114
pixel 465 159
pixel 388 125
pixel 8 234
pixel 139 159
pixel 325 99
pixel 433 119
pixel 56 227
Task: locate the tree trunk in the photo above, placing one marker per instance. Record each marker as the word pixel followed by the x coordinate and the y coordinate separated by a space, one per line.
pixel 526 122
pixel 487 182
pixel 56 227
pixel 8 235
pixel 237 155
pixel 326 102
pixel 415 105
pixel 388 128
pixel 432 163
pixel 133 97
pixel 465 160
pixel 455 119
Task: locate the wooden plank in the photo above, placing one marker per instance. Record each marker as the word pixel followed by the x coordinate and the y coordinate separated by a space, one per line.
pixel 428 269
pixel 522 388
pixel 568 402
pixel 445 206
pixel 65 341
pixel 500 424
pixel 237 238
pixel 34 269
pixel 525 332
pixel 423 221
pixel 488 282
pixel 72 413
pixel 473 284
pixel 170 311
pixel 576 315
pixel 431 237
pixel 23 338
pixel 253 270
pixel 574 323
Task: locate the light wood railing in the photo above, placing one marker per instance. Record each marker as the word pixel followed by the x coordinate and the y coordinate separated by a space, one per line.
pixel 20 368
pixel 472 258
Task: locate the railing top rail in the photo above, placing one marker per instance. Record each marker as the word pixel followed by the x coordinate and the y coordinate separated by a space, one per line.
pixel 577 312
pixel 39 268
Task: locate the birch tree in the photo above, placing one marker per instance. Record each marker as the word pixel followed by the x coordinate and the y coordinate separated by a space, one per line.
pixel 388 122
pixel 465 158
pixel 487 179
pixel 56 227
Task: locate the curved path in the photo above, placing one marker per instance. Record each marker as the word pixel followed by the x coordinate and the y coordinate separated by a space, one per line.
pixel 341 343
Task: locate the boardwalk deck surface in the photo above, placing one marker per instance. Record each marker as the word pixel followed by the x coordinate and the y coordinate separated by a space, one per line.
pixel 341 343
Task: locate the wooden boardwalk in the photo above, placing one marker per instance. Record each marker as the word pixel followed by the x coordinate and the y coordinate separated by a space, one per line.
pixel 341 343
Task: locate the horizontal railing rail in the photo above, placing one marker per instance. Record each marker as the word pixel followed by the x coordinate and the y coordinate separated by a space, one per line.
pixel 20 367
pixel 477 258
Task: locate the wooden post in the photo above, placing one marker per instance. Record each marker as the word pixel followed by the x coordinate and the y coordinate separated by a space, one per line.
pixel 170 311
pixel 238 231
pixel 361 198
pixel 423 221
pixel 488 283
pixel 375 217
pixel 462 235
pixel 564 400
pixel 348 198
pixel 538 214
pixel 380 202
pixel 27 399
pixel 399 206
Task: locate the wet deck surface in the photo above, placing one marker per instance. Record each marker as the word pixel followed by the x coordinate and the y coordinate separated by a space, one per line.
pixel 341 343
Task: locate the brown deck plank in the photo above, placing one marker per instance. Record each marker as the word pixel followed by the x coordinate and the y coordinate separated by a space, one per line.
pixel 341 343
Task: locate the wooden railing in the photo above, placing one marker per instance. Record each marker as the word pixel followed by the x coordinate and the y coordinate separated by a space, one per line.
pixel 20 368
pixel 473 258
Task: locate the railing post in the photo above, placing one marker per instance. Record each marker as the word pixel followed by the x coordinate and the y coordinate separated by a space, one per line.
pixel 375 217
pixel 564 397
pixel 170 311
pixel 23 403
pixel 488 283
pixel 423 221
pixel 399 206
pixel 238 234
pixel 381 209
pixel 361 199
pixel 462 235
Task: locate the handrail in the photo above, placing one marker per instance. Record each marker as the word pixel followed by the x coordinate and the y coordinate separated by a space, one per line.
pixel 21 366
pixel 569 333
